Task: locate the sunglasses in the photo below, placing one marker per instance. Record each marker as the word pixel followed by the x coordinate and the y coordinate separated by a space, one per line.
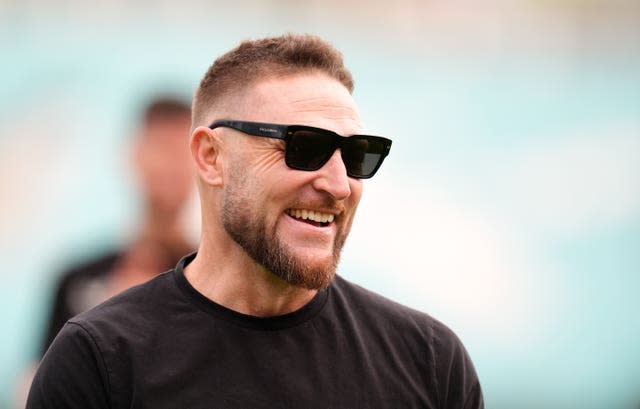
pixel 309 148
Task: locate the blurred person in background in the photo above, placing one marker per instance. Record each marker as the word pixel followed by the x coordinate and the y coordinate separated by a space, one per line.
pixel 160 162
pixel 164 181
pixel 257 318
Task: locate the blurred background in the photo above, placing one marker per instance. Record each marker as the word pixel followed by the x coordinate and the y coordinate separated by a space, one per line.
pixel 509 207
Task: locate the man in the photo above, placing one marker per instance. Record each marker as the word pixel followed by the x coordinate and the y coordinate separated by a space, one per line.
pixel 164 180
pixel 257 318
pixel 160 165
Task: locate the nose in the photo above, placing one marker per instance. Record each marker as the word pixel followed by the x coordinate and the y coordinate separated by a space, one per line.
pixel 332 177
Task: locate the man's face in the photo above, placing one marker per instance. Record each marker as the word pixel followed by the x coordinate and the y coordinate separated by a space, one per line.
pixel 268 208
pixel 162 163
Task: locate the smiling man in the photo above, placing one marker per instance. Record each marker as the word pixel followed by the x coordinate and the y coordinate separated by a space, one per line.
pixel 257 318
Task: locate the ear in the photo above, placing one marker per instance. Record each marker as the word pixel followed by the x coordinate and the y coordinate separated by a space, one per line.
pixel 205 150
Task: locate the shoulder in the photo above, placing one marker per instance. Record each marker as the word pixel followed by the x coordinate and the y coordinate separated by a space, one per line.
pixel 393 322
pixel 96 350
pixel 134 309
pixel 92 267
pixel 412 336
pixel 370 303
pixel 74 359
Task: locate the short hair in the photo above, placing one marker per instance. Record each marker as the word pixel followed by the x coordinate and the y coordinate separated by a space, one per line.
pixel 255 60
pixel 165 107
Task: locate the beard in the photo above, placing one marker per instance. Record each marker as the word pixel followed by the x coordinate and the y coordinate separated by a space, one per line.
pixel 249 230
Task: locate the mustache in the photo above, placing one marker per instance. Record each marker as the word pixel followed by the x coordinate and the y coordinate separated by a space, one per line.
pixel 326 203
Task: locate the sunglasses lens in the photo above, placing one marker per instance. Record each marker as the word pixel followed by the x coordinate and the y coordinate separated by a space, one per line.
pixel 362 155
pixel 308 150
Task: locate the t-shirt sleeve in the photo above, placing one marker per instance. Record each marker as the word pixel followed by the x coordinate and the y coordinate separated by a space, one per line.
pixel 72 373
pixel 459 387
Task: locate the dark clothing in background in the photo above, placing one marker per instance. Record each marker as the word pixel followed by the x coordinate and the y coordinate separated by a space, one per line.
pixel 164 345
pixel 90 283
pixel 78 289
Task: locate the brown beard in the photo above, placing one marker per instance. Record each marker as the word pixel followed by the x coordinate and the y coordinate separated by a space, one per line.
pixel 268 250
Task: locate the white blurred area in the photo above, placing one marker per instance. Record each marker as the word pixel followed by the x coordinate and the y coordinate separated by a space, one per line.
pixel 509 207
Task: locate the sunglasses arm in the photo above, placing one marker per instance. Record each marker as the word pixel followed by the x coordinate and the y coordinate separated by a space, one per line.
pixel 254 128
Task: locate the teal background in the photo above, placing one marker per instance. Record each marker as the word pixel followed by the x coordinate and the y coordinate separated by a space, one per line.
pixel 509 207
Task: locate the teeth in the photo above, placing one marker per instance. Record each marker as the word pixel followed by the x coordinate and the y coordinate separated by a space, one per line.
pixel 311 215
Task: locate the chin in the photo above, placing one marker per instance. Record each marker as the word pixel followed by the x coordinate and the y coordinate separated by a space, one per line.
pixel 310 274
pixel 316 281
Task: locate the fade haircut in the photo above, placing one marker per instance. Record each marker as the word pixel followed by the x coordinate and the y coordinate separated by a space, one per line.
pixel 270 57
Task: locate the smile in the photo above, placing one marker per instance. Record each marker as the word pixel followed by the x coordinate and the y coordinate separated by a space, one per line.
pixel 311 216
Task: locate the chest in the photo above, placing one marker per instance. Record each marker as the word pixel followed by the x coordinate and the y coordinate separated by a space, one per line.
pixel 314 366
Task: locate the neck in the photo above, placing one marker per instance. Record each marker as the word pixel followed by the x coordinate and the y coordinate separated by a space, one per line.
pixel 225 274
pixel 165 227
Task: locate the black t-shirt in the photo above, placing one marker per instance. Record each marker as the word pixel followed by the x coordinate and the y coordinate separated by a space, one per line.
pixel 165 345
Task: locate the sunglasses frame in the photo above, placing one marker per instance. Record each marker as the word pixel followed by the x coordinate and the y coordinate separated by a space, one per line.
pixel 285 132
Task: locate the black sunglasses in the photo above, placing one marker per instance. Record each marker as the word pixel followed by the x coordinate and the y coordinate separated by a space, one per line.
pixel 309 148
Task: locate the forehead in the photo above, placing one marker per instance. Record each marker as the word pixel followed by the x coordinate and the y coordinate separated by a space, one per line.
pixel 171 126
pixel 303 99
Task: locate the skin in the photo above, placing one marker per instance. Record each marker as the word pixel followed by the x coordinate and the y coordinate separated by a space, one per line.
pixel 222 270
pixel 160 165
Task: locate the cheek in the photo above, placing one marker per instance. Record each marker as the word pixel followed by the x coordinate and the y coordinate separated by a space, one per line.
pixel 356 192
pixel 269 162
pixel 252 194
pixel 255 161
pixel 353 201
